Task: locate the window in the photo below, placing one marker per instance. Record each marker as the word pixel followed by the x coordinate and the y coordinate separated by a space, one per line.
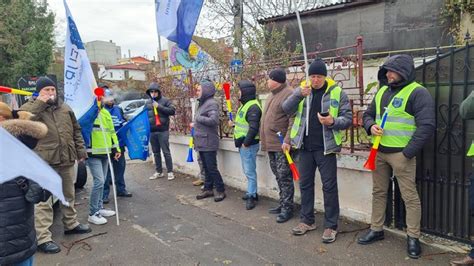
pixel 111 74
pixel 127 74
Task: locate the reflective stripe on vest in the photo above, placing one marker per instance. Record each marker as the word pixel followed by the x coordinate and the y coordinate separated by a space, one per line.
pixel 335 100
pixel 241 125
pixel 400 125
pixel 471 150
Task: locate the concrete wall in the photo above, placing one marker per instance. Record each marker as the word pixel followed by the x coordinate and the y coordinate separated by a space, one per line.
pixel 354 182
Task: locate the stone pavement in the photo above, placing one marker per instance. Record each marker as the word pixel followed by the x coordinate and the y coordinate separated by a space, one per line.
pixel 163 224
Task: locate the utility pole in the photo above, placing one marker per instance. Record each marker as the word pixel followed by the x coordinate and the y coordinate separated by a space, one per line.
pixel 238 10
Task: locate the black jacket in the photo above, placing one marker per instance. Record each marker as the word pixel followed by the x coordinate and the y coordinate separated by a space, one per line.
pixel 420 105
pixel 17 199
pixel 165 110
pixel 254 114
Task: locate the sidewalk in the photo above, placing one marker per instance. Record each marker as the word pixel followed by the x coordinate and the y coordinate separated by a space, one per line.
pixel 163 224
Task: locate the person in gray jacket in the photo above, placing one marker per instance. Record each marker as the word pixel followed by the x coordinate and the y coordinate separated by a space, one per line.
pixel 329 114
pixel 206 140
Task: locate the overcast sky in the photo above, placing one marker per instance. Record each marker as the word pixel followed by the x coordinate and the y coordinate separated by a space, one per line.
pixel 129 23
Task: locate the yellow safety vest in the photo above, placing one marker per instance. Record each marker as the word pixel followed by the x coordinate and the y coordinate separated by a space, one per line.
pixel 241 125
pixel 99 144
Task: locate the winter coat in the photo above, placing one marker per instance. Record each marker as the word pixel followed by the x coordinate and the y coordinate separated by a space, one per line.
pixel 165 110
pixel 420 105
pixel 206 123
pixel 342 122
pixel 17 199
pixel 275 120
pixel 63 144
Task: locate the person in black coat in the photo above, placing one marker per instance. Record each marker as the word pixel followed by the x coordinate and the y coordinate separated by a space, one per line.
pixel 159 137
pixel 18 196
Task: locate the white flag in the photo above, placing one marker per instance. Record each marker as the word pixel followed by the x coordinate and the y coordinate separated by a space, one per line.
pixel 16 160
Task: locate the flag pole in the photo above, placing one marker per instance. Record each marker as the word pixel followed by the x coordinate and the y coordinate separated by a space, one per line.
pixel 305 67
pixel 109 160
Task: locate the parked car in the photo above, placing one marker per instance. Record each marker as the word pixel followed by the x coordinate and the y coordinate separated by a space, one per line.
pixel 132 107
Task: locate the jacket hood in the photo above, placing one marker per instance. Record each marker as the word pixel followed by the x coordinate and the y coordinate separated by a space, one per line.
pixel 154 87
pixel 19 127
pixel 248 91
pixel 403 65
pixel 207 90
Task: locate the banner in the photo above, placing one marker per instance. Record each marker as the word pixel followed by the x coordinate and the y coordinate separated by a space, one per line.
pixel 176 20
pixel 136 134
pixel 79 81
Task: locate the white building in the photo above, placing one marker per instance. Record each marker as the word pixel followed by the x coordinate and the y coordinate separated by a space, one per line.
pixel 103 52
pixel 122 72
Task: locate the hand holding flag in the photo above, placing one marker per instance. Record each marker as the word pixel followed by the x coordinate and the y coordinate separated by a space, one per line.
pixel 226 88
pixel 370 163
pixel 294 170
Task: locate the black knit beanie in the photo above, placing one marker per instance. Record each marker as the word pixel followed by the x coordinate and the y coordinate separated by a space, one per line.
pixel 43 82
pixel 278 75
pixel 318 67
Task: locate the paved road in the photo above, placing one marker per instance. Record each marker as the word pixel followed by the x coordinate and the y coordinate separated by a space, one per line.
pixel 163 224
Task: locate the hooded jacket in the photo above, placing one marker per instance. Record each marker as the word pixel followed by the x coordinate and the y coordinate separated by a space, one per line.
pixel 254 114
pixel 206 121
pixel 420 105
pixel 63 144
pixel 165 110
pixel 17 226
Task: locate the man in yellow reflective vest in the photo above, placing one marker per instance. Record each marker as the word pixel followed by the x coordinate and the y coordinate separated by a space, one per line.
pixel 467 112
pixel 329 114
pixel 410 123
pixel 103 141
pixel 246 137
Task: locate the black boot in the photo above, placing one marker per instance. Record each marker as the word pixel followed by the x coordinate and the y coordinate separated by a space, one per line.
pixel 251 203
pixel 80 229
pixel 370 237
pixel 245 197
pixel 275 210
pixel 413 247
pixel 49 247
pixel 284 216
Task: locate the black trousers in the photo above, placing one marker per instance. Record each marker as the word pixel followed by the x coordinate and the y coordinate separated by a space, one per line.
pixel 309 161
pixel 213 176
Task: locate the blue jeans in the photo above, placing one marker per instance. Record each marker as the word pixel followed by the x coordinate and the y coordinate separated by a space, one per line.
pixel 119 171
pixel 248 157
pixel 28 262
pixel 99 168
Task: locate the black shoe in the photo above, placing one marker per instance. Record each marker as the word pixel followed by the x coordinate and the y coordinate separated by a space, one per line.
pixel 245 197
pixel 106 201
pixel 125 194
pixel 284 216
pixel 220 196
pixel 251 203
pixel 80 229
pixel 49 248
pixel 275 210
pixel 413 247
pixel 370 237
pixel 205 194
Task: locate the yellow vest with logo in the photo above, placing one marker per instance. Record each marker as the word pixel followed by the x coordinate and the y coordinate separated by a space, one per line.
pixel 241 125
pixel 400 125
pixel 101 144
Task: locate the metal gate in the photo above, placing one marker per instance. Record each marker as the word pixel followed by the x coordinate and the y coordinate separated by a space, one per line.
pixel 442 167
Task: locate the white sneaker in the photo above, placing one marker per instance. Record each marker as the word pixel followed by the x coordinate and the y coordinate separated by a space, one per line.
pixel 97 219
pixel 106 212
pixel 170 176
pixel 155 176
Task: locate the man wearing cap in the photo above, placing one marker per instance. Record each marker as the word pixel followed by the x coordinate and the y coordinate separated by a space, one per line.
pixel 206 140
pixel 246 138
pixel 410 123
pixel 329 114
pixel 276 120
pixel 160 134
pixel 119 165
pixel 62 146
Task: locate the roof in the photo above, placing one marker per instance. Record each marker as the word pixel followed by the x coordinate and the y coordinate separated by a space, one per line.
pixel 125 66
pixel 325 7
pixel 140 59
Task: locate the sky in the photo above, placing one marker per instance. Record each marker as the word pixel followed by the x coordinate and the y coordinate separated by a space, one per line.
pixel 130 24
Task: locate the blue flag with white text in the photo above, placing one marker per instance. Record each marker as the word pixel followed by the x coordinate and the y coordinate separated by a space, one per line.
pixel 79 81
pixel 136 135
pixel 177 19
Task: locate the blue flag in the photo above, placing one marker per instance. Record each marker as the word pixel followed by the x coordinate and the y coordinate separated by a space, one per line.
pixel 136 134
pixel 177 19
pixel 79 81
